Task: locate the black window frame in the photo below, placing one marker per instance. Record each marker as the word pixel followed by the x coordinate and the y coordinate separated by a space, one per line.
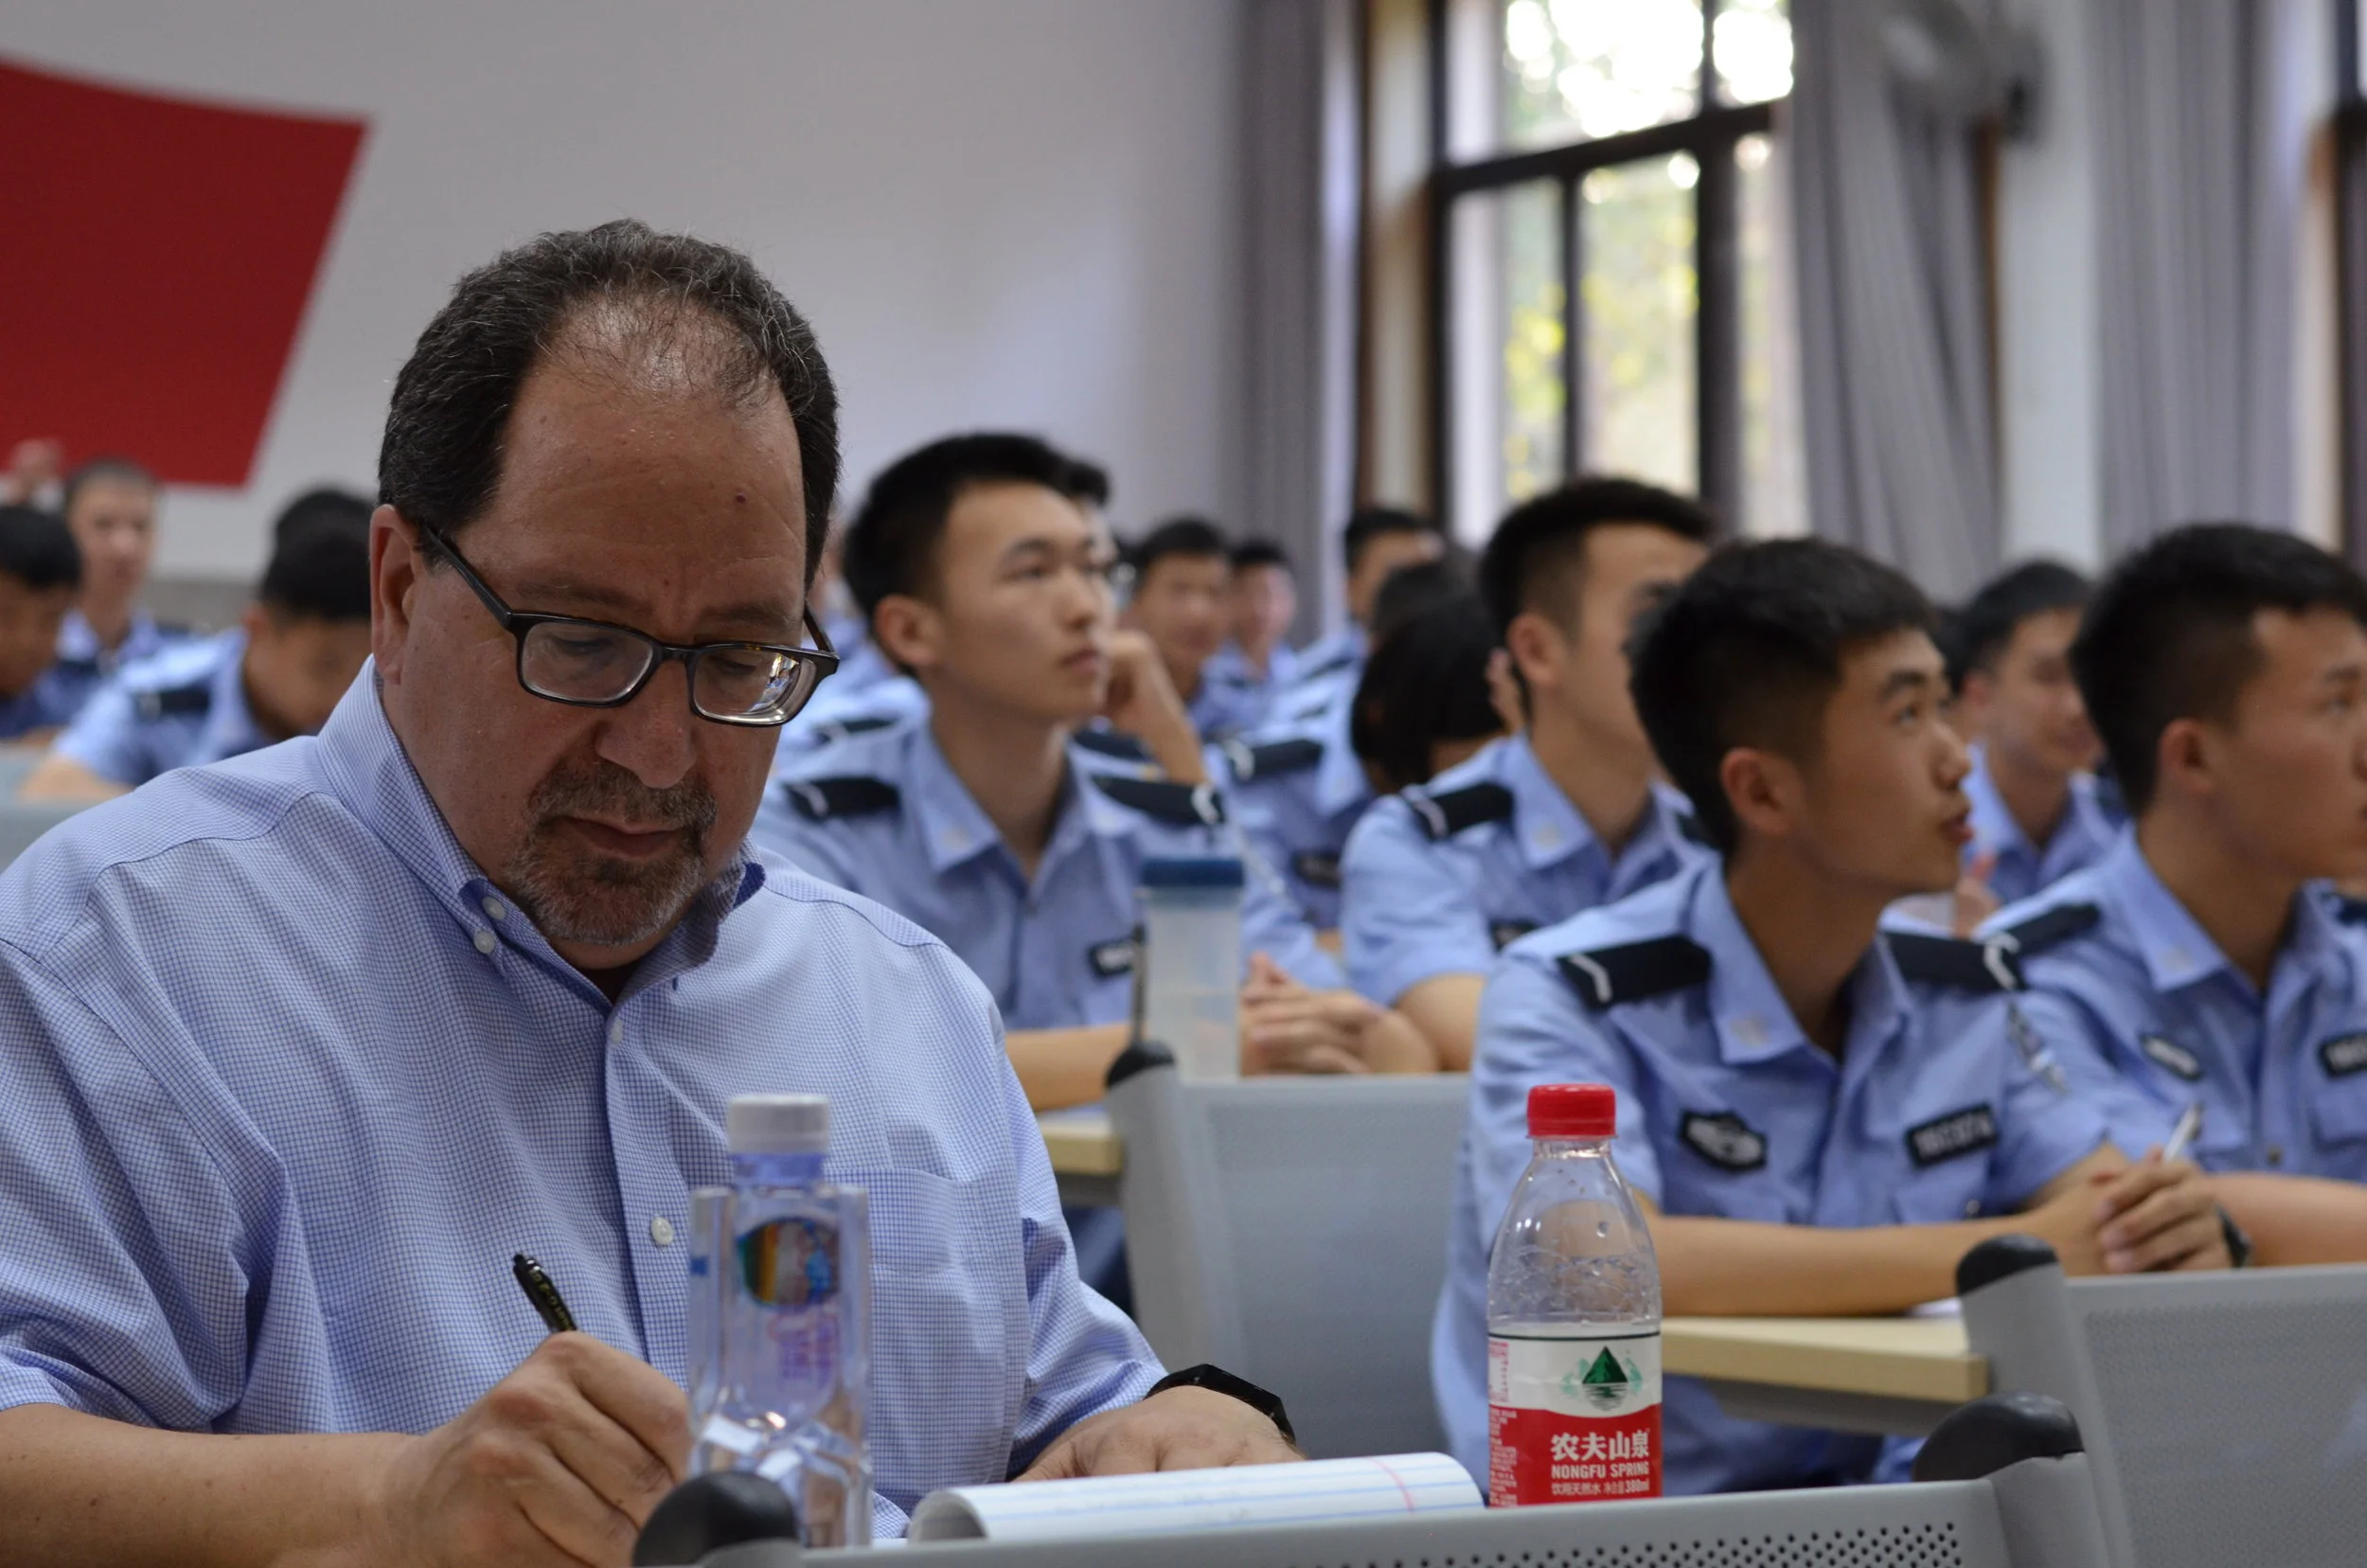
pixel 1710 136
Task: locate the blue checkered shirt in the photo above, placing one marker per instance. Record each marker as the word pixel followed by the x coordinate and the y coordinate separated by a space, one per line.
pixel 287 1082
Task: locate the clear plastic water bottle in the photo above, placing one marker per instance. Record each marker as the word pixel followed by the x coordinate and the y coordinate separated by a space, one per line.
pixel 779 1319
pixel 1573 1380
pixel 1190 983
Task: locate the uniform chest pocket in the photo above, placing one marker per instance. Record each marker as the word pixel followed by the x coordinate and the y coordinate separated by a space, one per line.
pixel 2337 1108
pixel 1944 1167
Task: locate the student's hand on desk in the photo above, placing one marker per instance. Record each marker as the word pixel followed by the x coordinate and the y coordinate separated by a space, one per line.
pixel 560 1461
pixel 1289 1028
pixel 2135 1219
pixel 1181 1429
pixel 1143 702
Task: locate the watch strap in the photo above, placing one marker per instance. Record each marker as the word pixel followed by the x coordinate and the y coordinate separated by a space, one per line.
pixel 1217 1380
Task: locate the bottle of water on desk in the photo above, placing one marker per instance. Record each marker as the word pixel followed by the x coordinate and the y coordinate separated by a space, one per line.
pixel 1189 982
pixel 1574 1381
pixel 779 1319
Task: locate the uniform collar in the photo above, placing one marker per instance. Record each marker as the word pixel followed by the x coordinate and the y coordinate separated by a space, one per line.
pixel 955 830
pixel 2177 951
pixel 76 640
pixel 1549 829
pixel 230 725
pixel 364 765
pixel 1995 827
pixel 1754 1021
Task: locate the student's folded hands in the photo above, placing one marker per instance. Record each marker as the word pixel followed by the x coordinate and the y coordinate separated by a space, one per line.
pixel 1287 1028
pixel 2136 1219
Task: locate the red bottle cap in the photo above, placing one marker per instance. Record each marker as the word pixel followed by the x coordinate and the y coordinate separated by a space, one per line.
pixel 1573 1111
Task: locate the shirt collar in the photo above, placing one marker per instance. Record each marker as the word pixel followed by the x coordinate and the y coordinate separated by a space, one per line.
pixel 1994 826
pixel 1340 781
pixel 365 766
pixel 230 726
pixel 1754 1021
pixel 76 640
pixel 2177 951
pixel 954 827
pixel 1549 828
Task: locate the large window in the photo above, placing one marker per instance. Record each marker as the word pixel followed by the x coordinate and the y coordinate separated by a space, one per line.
pixel 1611 292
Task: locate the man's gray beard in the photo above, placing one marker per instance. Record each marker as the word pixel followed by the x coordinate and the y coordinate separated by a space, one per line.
pixel 594 901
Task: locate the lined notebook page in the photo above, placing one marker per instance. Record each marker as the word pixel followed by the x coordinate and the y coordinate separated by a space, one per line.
pixel 1196 1499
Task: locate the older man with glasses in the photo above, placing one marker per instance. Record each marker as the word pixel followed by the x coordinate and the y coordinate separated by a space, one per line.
pixel 302 1047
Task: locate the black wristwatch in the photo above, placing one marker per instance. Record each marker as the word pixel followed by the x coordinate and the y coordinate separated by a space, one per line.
pixel 1217 1380
pixel 2239 1242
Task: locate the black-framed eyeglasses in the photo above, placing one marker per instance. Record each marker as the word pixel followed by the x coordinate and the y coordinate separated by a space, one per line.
pixel 594 664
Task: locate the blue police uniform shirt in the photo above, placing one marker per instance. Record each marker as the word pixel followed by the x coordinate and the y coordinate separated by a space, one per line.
pixel 2023 869
pixel 23 713
pixel 289 1080
pixel 178 709
pixel 2149 1017
pixel 836 712
pixel 1337 657
pixel 1436 881
pixel 882 815
pixel 1298 789
pixel 1231 665
pixel 1938 1108
pixel 84 662
pixel 1223 708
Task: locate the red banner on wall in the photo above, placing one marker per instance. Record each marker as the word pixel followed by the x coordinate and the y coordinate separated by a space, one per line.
pixel 155 256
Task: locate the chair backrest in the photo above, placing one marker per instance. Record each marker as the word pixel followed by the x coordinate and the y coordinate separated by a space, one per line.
pixel 1294 1231
pixel 2225 1414
pixel 2036 1514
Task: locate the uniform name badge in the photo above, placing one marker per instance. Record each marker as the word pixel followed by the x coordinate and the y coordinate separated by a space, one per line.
pixel 1572 1421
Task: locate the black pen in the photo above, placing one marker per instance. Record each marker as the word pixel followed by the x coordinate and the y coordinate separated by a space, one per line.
pixel 548 1303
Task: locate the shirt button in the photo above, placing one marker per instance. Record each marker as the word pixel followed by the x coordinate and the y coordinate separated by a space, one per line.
pixel 1973 1208
pixel 2276 1155
pixel 484 940
pixel 616 1031
pixel 496 909
pixel 661 1230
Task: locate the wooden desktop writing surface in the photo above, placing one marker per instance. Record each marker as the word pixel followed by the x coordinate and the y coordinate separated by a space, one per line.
pixel 1901 1376
pixel 1086 1156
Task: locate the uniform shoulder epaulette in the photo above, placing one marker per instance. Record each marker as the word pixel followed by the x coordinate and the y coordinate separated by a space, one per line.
pixel 846 795
pixel 1185 805
pixel 1112 743
pixel 1636 972
pixel 80 666
pixel 1273 759
pixel 1333 666
pixel 840 729
pixel 175 701
pixel 1954 962
pixel 1445 815
pixel 2350 911
pixel 1690 829
pixel 2050 926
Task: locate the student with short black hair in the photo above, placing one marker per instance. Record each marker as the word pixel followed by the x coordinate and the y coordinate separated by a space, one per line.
pixel 1424 704
pixel 2036 813
pixel 109 506
pixel 1375 543
pixel 1181 600
pixel 277 674
pixel 2204 961
pixel 41 571
pixel 1817 1119
pixel 1558 818
pixel 984 823
pixel 1264 597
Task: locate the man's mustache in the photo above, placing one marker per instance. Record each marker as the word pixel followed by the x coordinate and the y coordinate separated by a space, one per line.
pixel 606 790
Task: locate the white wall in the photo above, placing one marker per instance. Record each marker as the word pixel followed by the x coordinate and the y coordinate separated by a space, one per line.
pixel 1010 212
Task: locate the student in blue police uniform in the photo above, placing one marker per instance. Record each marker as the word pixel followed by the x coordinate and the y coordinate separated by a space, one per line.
pixel 991 826
pixel 1554 820
pixel 2201 962
pixel 280 674
pixel 110 508
pixel 1423 706
pixel 39 572
pixel 1818 1121
pixel 2038 814
pixel 1376 544
pixel 1263 601
pixel 1182 599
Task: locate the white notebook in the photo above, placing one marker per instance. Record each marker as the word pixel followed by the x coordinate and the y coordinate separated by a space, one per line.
pixel 1196 1499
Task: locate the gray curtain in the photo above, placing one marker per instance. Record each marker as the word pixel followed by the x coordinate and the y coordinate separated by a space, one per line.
pixel 2202 146
pixel 1894 336
pixel 1301 180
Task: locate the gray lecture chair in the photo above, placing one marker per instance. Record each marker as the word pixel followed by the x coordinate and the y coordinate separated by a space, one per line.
pixel 2010 1489
pixel 1294 1231
pixel 2225 1414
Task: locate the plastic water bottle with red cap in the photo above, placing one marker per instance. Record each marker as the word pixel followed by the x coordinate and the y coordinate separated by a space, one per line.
pixel 1574 1381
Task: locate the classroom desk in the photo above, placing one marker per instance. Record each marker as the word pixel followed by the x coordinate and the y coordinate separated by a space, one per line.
pixel 1086 1156
pixel 1898 1375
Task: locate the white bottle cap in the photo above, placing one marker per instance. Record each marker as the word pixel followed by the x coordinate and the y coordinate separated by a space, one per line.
pixel 778 1124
